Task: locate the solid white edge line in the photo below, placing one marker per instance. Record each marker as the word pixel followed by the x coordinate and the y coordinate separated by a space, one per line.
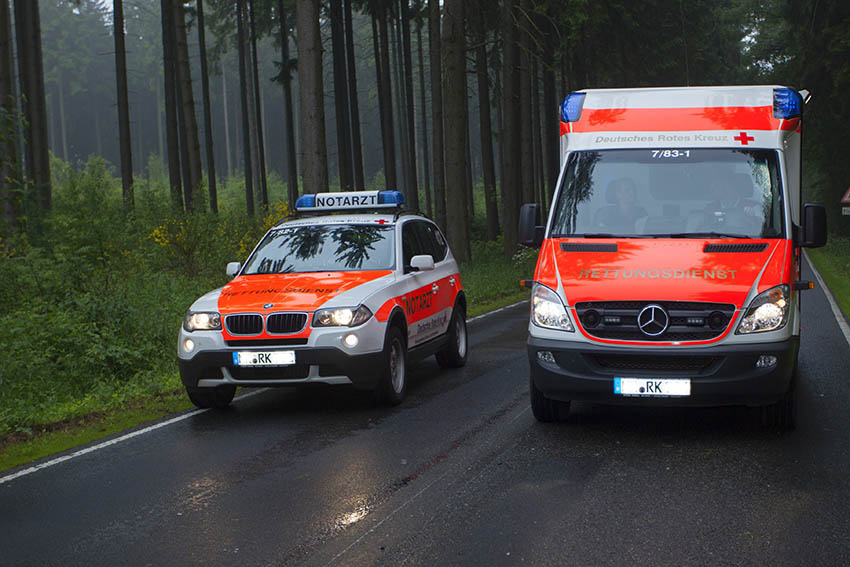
pixel 114 441
pixel 836 310
pixel 162 424
pixel 496 311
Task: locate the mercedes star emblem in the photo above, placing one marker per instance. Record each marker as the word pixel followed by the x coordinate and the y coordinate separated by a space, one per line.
pixel 653 320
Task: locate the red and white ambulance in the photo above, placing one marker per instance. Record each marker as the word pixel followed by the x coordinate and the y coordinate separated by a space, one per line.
pixel 669 267
pixel 342 298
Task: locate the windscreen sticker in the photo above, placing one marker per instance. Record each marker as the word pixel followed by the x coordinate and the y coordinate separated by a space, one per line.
pixel 317 290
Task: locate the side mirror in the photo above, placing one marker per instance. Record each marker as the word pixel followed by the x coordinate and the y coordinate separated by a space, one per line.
pixel 814 226
pixel 530 231
pixel 422 263
pixel 233 268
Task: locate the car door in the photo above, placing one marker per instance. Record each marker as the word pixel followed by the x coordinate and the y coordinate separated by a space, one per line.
pixel 421 299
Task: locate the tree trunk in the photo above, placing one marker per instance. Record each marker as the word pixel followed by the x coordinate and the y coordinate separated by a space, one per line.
pixel 387 104
pixel 261 147
pixel 289 126
pixel 551 143
pixel 227 150
pixel 401 127
pixel 435 57
pixel 314 153
pixel 412 186
pixel 511 177
pixel 426 162
pixel 486 128
pixel 379 79
pixel 31 73
pixel 527 192
pixel 243 90
pixel 159 133
pixel 456 136
pixel 353 103
pixel 189 123
pixel 205 90
pixel 63 130
pixel 10 173
pixel 341 97
pixel 170 86
pixel 537 139
pixel 124 139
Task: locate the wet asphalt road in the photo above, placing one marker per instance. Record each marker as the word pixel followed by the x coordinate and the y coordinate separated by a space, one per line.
pixel 459 474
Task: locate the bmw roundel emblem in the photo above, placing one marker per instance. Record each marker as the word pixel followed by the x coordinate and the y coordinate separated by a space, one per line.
pixel 653 320
pixel 268 305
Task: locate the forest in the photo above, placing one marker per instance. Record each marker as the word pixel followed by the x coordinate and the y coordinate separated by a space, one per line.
pixel 145 143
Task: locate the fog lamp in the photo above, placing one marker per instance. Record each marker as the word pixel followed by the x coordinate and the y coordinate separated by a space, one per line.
pixel 188 345
pixel 545 356
pixel 351 340
pixel 766 361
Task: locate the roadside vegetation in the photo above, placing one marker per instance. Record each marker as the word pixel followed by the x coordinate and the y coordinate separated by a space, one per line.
pixel 833 263
pixel 92 304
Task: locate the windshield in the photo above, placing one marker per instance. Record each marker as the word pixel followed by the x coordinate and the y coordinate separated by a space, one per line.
pixel 676 193
pixel 324 248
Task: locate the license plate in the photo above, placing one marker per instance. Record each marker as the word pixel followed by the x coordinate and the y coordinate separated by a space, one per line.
pixel 273 358
pixel 652 387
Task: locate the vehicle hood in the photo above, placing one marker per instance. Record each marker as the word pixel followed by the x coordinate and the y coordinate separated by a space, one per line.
pixel 263 293
pixel 709 270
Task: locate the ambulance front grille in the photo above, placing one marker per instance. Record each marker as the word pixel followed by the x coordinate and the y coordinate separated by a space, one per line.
pixel 285 323
pixel 642 363
pixel 244 324
pixel 295 372
pixel 688 320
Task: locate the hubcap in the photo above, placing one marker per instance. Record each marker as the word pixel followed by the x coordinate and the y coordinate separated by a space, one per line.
pixel 460 334
pixel 397 366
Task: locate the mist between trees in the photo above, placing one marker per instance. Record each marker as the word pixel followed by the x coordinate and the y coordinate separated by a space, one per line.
pixel 455 102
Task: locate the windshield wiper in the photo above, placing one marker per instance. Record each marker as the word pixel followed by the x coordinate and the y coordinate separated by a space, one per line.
pixel 701 235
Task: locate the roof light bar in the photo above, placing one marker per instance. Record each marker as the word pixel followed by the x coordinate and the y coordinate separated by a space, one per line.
pixel 571 107
pixel 787 103
pixel 350 200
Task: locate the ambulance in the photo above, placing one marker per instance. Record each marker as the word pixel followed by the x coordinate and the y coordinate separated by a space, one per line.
pixel 343 298
pixel 669 265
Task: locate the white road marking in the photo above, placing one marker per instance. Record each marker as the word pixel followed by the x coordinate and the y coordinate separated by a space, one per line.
pixel 115 441
pixel 496 311
pixel 836 310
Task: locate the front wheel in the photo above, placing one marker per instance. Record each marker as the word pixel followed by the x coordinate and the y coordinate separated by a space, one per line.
pixel 218 397
pixel 393 384
pixel 454 354
pixel 546 409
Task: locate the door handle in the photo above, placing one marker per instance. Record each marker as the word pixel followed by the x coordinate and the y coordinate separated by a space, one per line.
pixel 435 288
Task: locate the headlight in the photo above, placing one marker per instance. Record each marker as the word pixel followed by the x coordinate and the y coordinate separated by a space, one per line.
pixel 548 311
pixel 341 317
pixel 202 321
pixel 767 312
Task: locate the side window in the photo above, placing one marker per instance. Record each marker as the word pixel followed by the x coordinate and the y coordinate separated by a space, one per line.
pixel 440 245
pixel 410 245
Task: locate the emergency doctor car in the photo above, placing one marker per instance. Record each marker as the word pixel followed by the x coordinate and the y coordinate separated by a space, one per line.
pixel 669 267
pixel 344 298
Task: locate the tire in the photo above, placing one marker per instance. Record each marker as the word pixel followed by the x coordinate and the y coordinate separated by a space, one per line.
pixel 545 409
pixel 393 383
pixel 218 397
pixel 782 415
pixel 454 354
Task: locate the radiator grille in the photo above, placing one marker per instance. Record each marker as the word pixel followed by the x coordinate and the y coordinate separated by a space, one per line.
pixel 641 363
pixel 294 372
pixel 688 320
pixel 285 323
pixel 244 324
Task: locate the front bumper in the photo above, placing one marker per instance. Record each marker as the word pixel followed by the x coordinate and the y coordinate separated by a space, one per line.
pixel 720 375
pixel 322 365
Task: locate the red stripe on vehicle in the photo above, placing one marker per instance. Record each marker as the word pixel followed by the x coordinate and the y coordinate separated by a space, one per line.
pixel 681 119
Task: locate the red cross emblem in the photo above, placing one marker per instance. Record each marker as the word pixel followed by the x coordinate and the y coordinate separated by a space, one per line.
pixel 382 221
pixel 743 138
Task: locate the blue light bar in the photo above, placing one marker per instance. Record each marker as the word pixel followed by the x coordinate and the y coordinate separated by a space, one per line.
pixel 350 200
pixel 787 103
pixel 571 107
